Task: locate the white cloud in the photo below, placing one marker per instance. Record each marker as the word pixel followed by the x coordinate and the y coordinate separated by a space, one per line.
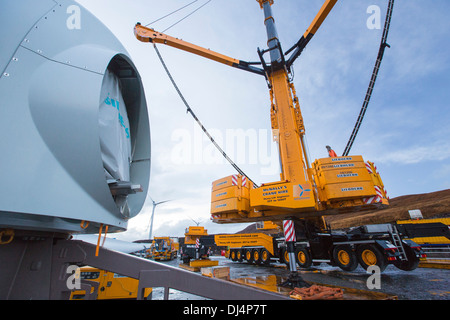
pixel 418 154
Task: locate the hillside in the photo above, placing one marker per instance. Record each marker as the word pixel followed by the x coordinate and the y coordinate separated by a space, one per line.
pixel 432 205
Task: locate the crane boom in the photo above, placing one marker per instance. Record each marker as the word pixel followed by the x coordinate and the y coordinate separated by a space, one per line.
pixel 145 34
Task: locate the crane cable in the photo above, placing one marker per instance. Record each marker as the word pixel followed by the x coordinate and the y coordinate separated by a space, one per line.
pixel 186 16
pixel 171 13
pixel 189 110
pixel 383 46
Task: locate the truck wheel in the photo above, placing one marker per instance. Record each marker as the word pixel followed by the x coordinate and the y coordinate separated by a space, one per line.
pixel 369 255
pixel 233 255
pixel 239 256
pixel 303 257
pixel 412 262
pixel 284 256
pixel 345 258
pixel 248 256
pixel 265 256
pixel 256 256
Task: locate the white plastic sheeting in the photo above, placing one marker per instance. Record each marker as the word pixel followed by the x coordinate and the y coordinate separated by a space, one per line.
pixel 115 139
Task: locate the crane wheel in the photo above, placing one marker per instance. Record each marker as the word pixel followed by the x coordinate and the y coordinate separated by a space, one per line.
pixel 345 258
pixel 412 262
pixel 369 255
pixel 284 256
pixel 303 257
pixel 256 256
pixel 265 256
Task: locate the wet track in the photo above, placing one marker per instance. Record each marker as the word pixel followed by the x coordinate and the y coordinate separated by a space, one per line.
pixel 420 284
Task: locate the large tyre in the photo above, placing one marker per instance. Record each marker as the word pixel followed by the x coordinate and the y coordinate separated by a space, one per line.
pixel 345 258
pixel 256 255
pixel 248 256
pixel 239 255
pixel 284 256
pixel 369 255
pixel 303 257
pixel 233 255
pixel 265 256
pixel 411 264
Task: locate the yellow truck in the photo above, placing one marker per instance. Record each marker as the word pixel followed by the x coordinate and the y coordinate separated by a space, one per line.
pixel 163 249
pixel 256 248
pixel 429 231
pixel 433 235
pixel 107 286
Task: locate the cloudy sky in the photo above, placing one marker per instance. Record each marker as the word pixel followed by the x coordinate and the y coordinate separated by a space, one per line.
pixel 405 130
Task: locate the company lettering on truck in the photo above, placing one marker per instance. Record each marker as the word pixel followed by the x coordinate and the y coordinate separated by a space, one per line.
pixel 274 190
pixel 352 189
pixel 345 175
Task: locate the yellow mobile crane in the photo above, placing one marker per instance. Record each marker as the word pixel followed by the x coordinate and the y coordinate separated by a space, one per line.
pixel 328 186
pixel 305 191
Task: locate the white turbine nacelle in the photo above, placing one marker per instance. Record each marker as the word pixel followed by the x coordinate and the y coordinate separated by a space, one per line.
pixel 75 141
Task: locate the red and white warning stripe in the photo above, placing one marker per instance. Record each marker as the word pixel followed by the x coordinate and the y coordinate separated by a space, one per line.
pixel 377 189
pixel 375 199
pixel 234 180
pixel 385 193
pixel 197 243
pixel 371 200
pixel 289 232
pixel 369 168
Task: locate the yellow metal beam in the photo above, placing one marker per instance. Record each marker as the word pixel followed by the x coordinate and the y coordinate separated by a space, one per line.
pixel 145 34
pixel 320 17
